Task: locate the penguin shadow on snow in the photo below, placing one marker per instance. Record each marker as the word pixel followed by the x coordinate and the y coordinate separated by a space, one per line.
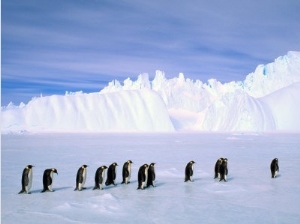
pixel 54 190
pixel 227 179
pixel 196 179
pixel 277 176
pixel 87 188
pixel 157 184
pixel 62 188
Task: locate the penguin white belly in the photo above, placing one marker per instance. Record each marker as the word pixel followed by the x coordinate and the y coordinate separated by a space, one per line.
pixel 50 186
pixel 144 184
pixel 127 179
pixel 103 178
pixel 28 187
pixel 153 181
pixel 114 181
pixel 84 177
pixel 191 177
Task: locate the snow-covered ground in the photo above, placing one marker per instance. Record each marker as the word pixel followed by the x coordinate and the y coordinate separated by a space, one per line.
pixel 249 196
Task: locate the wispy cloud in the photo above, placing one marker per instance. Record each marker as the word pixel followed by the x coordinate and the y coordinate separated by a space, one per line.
pixel 71 42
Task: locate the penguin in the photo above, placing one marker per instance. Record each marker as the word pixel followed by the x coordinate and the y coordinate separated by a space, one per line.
pixel 223 170
pixel 47 179
pixel 274 168
pixel 217 168
pixel 81 177
pixel 143 176
pixel 151 175
pixel 26 179
pixel 99 177
pixel 111 174
pixel 189 169
pixel 126 172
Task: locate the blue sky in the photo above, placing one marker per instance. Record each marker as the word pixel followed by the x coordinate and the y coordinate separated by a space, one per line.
pixel 49 47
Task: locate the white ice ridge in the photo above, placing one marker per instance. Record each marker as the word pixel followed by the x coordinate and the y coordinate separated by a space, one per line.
pixel 267 100
pixel 141 110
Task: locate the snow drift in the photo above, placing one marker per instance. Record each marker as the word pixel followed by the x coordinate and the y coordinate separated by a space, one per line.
pixel 267 100
pixel 126 110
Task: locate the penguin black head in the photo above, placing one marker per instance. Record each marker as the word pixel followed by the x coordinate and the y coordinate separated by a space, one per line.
pixel 145 165
pixel 225 160
pixel 29 166
pixel 152 164
pixel 54 170
pixel 115 164
pixel 84 166
pixel 129 161
pixel 104 167
pixel 192 162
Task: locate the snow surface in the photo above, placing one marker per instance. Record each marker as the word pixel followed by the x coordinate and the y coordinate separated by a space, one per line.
pixel 249 196
pixel 267 100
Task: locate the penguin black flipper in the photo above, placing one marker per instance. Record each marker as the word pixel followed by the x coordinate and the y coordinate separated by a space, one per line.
pixel 113 177
pixel 25 180
pixel 79 178
pixel 188 173
pixel 141 178
pixel 125 174
pixel 46 180
pixel 99 177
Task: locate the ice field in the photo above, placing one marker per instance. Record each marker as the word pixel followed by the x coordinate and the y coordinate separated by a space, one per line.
pixel 249 196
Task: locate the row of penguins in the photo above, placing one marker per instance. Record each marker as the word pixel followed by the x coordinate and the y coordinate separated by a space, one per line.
pixel 146 175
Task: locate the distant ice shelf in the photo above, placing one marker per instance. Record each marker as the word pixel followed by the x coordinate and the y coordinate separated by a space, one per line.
pixel 267 100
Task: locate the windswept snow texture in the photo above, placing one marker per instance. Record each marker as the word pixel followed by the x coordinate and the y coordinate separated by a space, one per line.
pixel 249 196
pixel 141 110
pixel 267 100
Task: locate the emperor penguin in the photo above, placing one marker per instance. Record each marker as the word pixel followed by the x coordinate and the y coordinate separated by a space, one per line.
pixel 99 177
pixel 47 179
pixel 274 168
pixel 111 174
pixel 126 172
pixel 217 168
pixel 26 179
pixel 189 171
pixel 143 176
pixel 81 177
pixel 224 170
pixel 151 175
